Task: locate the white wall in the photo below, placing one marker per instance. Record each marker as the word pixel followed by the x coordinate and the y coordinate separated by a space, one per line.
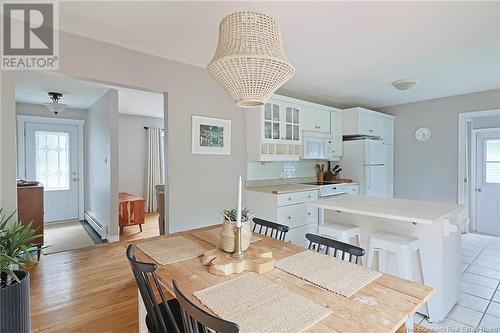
pixel 199 185
pixel 133 151
pixel 429 170
pixel 101 171
pixel 37 110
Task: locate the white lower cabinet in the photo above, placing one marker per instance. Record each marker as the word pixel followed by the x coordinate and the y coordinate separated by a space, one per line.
pixel 287 209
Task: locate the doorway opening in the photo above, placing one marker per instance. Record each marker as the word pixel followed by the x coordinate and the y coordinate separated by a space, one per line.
pixel 479 170
pixel 83 160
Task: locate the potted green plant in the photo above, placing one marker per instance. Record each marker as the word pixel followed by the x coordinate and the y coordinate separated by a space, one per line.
pixel 15 242
pixel 229 228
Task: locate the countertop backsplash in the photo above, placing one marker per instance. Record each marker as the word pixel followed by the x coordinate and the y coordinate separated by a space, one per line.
pixel 282 170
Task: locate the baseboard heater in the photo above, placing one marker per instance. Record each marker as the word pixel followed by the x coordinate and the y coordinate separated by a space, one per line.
pixel 101 229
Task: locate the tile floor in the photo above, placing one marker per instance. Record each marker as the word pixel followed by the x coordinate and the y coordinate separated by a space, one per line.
pixel 478 309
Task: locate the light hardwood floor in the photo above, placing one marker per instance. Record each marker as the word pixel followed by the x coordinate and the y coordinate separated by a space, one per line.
pixel 88 290
pixel 149 229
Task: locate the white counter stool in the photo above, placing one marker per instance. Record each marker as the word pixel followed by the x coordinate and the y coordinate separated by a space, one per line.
pixel 403 246
pixel 340 232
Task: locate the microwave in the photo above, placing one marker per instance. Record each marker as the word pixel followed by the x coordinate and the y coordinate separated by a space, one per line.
pixel 317 148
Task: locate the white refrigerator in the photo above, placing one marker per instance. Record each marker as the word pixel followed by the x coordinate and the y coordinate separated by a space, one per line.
pixel 366 161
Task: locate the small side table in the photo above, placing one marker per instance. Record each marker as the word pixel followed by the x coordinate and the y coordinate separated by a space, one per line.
pixel 131 211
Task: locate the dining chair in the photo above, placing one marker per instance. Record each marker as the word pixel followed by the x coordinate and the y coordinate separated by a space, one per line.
pixel 319 242
pixel 196 320
pixel 163 316
pixel 275 230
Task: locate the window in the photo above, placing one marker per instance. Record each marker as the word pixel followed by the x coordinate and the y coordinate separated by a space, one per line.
pixel 52 160
pixel 492 152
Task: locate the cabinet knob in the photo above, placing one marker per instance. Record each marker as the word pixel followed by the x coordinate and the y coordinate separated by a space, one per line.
pixel 289 199
pixel 308 213
pixel 370 130
pixel 309 196
pixel 289 217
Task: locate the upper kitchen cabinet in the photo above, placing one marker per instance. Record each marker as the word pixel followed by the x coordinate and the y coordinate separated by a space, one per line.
pixel 273 132
pixel 361 121
pixel 316 119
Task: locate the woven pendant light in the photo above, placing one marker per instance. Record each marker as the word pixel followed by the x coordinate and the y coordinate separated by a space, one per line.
pixel 250 63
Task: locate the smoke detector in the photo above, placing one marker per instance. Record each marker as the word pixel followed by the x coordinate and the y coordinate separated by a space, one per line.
pixel 54 105
pixel 404 84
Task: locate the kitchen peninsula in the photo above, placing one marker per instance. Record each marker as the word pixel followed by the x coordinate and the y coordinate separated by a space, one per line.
pixel 435 224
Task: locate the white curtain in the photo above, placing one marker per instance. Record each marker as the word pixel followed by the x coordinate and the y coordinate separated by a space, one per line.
pixel 154 167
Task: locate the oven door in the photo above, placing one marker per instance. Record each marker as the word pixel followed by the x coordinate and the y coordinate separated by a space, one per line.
pixel 315 148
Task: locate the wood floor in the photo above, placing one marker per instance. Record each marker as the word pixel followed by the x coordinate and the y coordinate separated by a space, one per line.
pixel 149 229
pixel 88 290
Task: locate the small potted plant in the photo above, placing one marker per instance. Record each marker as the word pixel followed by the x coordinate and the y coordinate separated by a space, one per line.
pixel 229 228
pixel 15 241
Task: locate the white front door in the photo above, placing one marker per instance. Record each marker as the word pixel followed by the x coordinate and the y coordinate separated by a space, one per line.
pixel 52 159
pixel 488 182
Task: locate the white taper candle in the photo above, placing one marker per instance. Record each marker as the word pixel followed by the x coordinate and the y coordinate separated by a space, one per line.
pixel 238 216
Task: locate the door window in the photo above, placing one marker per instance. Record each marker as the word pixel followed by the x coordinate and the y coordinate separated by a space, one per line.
pixel 52 160
pixel 492 161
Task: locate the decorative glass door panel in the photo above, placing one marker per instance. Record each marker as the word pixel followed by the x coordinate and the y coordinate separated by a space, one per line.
pixel 52 160
pixel 272 121
pixel 292 124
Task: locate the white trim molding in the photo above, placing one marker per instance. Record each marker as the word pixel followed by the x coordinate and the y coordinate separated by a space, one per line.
pixel 463 182
pixel 22 120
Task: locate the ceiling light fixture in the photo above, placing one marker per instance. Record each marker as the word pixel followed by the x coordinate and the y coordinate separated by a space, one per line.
pixel 249 62
pixel 55 106
pixel 404 84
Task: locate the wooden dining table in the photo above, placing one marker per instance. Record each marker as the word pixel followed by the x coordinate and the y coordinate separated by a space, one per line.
pixel 384 305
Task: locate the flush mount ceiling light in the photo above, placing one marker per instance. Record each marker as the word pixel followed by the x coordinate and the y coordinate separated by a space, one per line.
pixel 55 106
pixel 249 62
pixel 404 84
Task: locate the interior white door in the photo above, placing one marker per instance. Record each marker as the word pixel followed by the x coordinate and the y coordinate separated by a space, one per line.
pixel 376 181
pixel 488 182
pixel 52 159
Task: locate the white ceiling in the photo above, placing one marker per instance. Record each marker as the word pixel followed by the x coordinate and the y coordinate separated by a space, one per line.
pixel 32 87
pixel 345 53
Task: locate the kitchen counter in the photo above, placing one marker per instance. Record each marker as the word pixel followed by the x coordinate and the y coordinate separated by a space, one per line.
pixel 437 225
pixel 395 209
pixel 283 188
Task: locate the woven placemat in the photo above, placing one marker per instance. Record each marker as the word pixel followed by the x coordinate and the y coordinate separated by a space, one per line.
pixel 212 236
pixel 259 305
pixel 333 274
pixel 169 250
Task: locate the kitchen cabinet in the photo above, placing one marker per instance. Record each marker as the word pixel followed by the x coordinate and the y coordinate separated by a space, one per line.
pixel 336 128
pixel 288 209
pixel 361 121
pixel 274 132
pixel 316 120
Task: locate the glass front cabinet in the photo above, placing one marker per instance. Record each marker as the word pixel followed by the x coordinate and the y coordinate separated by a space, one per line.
pixel 280 122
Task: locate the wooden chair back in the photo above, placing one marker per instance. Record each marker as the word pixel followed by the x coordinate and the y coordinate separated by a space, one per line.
pixel 319 243
pixel 196 320
pixel 271 229
pixel 144 273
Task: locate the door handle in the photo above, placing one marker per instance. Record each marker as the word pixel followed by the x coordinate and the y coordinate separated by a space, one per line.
pixel 479 189
pixel 76 179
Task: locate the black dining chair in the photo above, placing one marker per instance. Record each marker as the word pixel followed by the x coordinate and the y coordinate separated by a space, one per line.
pixel 271 229
pixel 319 243
pixel 196 320
pixel 163 316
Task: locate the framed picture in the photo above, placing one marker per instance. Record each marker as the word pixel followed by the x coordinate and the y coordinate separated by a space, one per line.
pixel 211 136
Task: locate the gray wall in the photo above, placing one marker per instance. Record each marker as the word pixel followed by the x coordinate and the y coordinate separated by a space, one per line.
pixel 199 185
pixel 429 170
pixel 8 161
pixel 132 151
pixel 100 136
